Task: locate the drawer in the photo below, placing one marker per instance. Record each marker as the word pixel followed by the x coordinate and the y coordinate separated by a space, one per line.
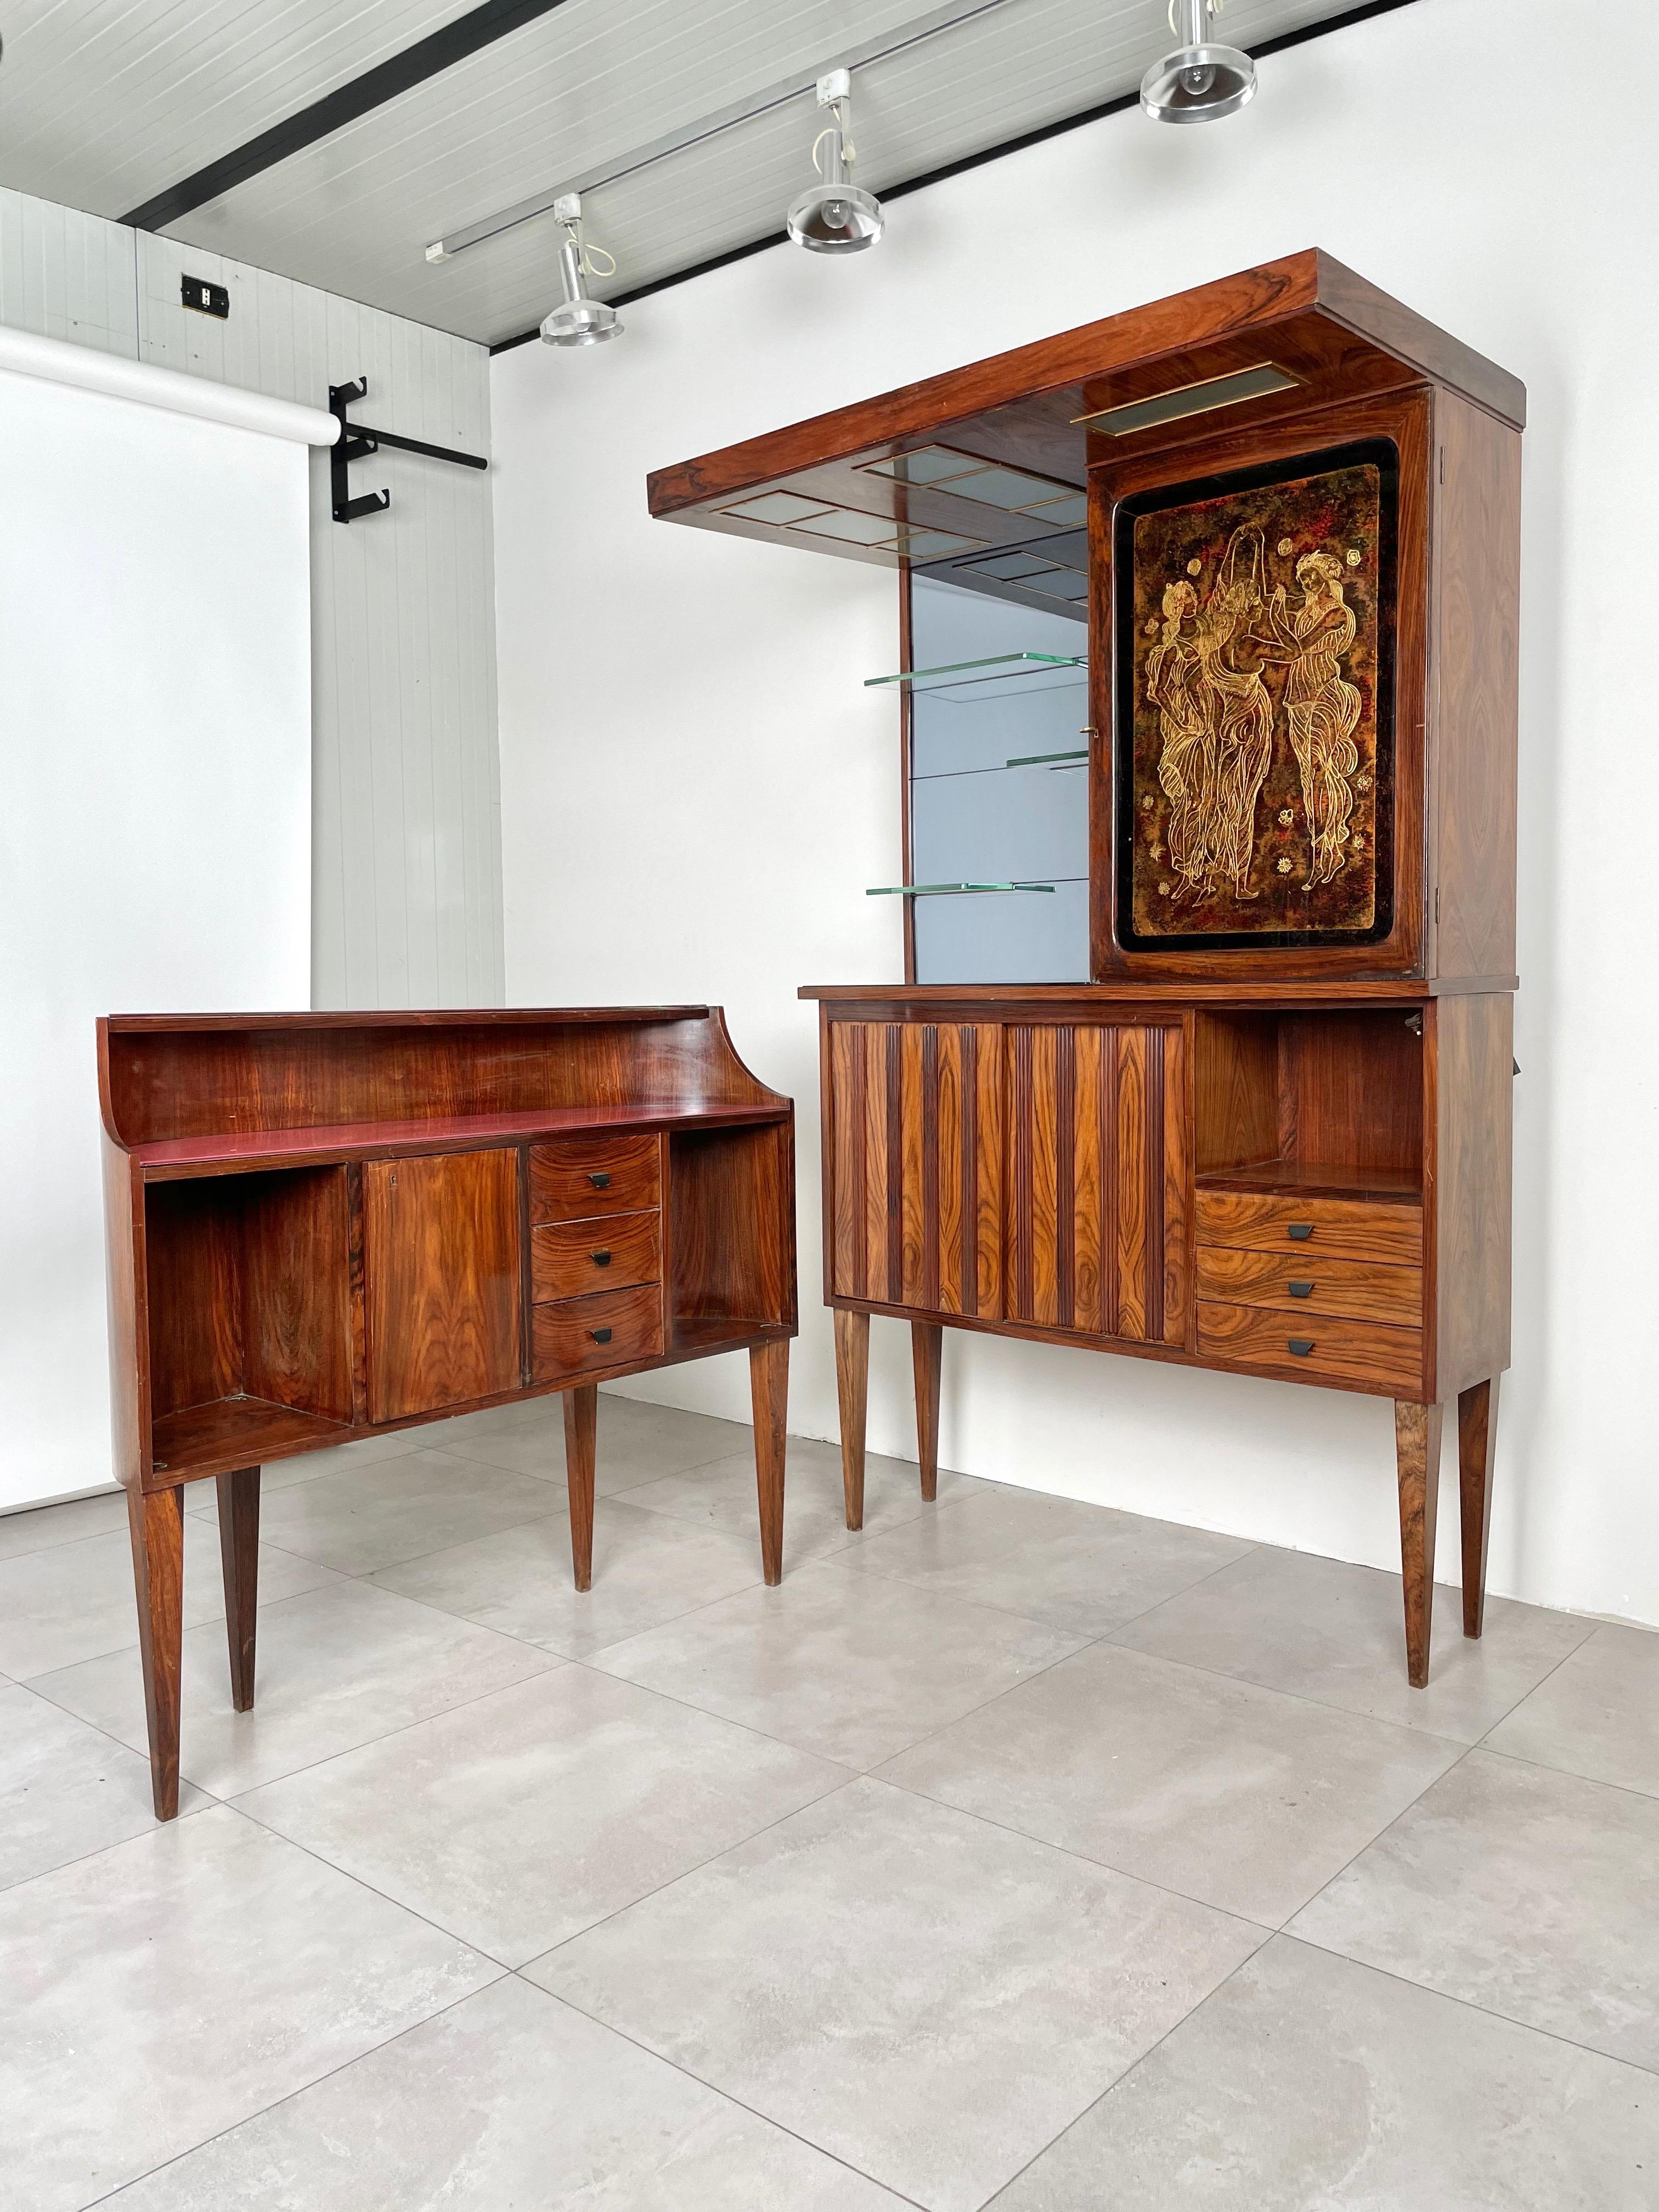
pixel 570 1176
pixel 573 1259
pixel 1310 1283
pixel 1351 1228
pixel 578 1335
pixel 1336 1349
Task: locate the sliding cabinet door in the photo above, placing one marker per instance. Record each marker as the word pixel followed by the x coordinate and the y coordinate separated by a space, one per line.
pixel 1097 1236
pixel 916 1165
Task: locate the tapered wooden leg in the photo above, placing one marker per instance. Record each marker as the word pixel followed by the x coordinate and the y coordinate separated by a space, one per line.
pixel 768 1385
pixel 1477 1441
pixel 239 1554
pixel 156 1524
pixel 853 1388
pixel 926 1354
pixel 1417 1447
pixel 581 1424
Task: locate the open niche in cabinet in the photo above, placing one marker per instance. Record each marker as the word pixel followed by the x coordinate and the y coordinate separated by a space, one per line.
pixel 250 1316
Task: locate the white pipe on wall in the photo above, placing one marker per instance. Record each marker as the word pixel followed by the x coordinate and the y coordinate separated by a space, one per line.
pixel 27 355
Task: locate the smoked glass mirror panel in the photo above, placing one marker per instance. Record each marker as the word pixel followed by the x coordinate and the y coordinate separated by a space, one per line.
pixel 975 818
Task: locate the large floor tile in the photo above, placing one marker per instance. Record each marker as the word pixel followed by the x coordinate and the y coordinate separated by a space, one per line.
pixel 177 1983
pixel 1530 1893
pixel 636 1443
pixel 1085 1568
pixel 1326 1630
pixel 722 1496
pixel 531 1815
pixel 1597 1714
pixel 37 1529
pixel 915 1991
pixel 1308 2083
pixel 845 1665
pixel 398 1507
pixel 647 1569
pixel 508 2102
pixel 1244 1798
pixel 65 1789
pixel 336 1667
pixel 75 1601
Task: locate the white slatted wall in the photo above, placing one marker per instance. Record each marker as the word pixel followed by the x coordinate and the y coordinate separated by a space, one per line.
pixel 406 851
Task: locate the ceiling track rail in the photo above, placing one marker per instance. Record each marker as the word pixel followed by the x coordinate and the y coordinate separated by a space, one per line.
pixel 802 85
pixel 1039 136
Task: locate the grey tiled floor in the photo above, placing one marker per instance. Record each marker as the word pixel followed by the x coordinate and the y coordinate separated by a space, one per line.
pixel 1014 1853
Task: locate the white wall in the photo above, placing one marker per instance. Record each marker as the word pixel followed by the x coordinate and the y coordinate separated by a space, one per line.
pixel 696 790
pixel 154 824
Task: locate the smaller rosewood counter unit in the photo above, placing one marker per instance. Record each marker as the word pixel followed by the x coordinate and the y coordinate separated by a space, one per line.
pixel 327 1226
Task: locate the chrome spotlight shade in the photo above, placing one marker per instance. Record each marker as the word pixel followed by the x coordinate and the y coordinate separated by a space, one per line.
pixel 835 215
pixel 1199 82
pixel 578 320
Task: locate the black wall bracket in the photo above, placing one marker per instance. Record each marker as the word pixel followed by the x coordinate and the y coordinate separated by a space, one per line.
pixel 357 441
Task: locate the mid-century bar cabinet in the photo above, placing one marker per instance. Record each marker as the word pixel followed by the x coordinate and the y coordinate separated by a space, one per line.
pixel 1208 646
pixel 327 1226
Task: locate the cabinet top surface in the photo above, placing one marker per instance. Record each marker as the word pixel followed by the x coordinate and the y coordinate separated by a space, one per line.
pixel 1404 991
pixel 385 1139
pixel 403 1017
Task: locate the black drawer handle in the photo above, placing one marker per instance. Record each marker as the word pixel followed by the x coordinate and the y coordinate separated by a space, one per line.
pixel 601 1181
pixel 1302 1345
pixel 600 1259
pixel 1302 1290
pixel 602 1335
pixel 1302 1230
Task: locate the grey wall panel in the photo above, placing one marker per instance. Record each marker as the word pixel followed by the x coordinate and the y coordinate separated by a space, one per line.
pixel 64 274
pixel 406 854
pixel 406 879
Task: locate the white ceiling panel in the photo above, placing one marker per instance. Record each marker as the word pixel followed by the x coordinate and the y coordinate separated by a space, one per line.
pixel 167 87
pixel 104 103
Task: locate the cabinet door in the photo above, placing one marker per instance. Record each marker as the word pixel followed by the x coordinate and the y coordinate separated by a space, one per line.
pixel 441 1264
pixel 1097 1229
pixel 915 1164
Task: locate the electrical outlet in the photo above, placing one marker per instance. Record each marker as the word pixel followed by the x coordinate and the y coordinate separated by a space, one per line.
pixel 207 298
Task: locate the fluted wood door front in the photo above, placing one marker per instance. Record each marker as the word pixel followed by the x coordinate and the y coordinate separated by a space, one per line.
pixel 916 1164
pixel 1098 1234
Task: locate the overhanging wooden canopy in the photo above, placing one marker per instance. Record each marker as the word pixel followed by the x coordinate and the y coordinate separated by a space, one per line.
pixel 850 482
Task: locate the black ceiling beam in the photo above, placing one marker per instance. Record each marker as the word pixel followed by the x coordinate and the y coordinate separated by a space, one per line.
pixel 428 57
pixel 1298 37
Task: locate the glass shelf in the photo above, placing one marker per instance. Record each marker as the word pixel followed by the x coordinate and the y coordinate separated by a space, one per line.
pixel 1052 762
pixel 946 891
pixel 1000 673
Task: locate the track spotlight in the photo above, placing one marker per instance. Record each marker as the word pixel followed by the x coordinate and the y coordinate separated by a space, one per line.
pixel 578 321
pixel 1199 83
pixel 834 216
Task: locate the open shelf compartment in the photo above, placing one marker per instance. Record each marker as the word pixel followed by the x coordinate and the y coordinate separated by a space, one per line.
pixel 249 1295
pixel 1320 1103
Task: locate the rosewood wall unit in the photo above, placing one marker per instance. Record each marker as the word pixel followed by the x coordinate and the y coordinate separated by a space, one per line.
pixel 1271 1132
pixel 322 1227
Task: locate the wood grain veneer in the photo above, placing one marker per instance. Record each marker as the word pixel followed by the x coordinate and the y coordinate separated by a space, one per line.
pixel 321 1227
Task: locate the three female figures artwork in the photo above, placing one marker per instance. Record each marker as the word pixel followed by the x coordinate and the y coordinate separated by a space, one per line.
pixel 1217 717
pixel 1255 811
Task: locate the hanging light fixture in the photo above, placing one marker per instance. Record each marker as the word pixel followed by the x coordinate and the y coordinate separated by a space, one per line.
pixel 578 321
pixel 834 216
pixel 1199 83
